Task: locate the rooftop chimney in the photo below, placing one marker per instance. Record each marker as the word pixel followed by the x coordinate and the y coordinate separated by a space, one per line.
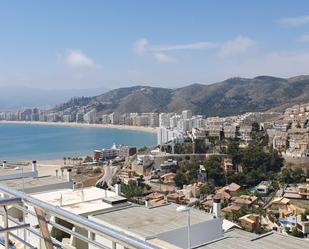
pixel 34 167
pixel 216 208
pixel 147 202
pixel 118 188
pixel 69 175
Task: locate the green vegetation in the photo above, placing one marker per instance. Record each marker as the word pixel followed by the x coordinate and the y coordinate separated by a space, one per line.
pixel 208 188
pixel 215 170
pixel 132 189
pixel 187 175
pixel 290 176
pixel 88 159
pixel 294 232
pixel 257 163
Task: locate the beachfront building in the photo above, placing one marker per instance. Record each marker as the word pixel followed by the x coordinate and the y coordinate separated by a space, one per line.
pixel 90 117
pixel 165 135
pixel 121 151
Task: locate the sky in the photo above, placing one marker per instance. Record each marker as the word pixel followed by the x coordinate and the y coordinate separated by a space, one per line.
pixel 109 44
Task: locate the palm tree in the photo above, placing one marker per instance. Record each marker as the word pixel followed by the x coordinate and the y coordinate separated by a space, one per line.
pixel 64 160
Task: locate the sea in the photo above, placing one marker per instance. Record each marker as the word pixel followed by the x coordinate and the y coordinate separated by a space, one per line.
pixel 46 142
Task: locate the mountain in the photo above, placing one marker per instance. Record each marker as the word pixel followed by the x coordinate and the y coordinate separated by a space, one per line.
pixel 20 97
pixel 229 97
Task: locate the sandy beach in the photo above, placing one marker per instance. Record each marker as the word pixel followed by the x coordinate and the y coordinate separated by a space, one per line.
pixel 48 167
pixel 109 126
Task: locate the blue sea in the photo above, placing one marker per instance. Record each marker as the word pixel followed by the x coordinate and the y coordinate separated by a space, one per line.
pixel 38 142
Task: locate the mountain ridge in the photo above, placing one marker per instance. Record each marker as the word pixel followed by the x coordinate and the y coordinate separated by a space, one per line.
pixel 229 97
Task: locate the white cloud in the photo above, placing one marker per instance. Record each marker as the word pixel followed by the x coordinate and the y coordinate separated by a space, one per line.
pixel 294 21
pixel 163 58
pixel 140 46
pixel 76 58
pixel 189 46
pixel 304 38
pixel 239 45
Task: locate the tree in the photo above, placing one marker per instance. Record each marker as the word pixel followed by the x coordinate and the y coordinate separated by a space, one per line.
pixel 64 160
pixel 180 179
pixel 131 189
pixel 200 146
pixel 88 159
pixel 207 189
pixel 234 151
pixel 289 176
pixel 214 170
pixel 254 130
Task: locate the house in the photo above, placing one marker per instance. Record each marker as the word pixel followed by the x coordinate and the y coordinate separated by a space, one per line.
pixel 202 174
pixel 229 209
pixel 176 198
pixel 250 221
pixel 231 189
pixel 303 190
pixel 192 190
pixel 263 187
pixel 228 165
pixel 169 165
pixel 168 178
pixel 283 208
pixel 244 200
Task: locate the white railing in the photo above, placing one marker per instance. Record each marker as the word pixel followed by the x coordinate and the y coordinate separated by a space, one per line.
pixel 113 235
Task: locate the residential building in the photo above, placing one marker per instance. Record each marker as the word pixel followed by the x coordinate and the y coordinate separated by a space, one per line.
pixel 250 221
pixel 162 225
pixel 90 117
pixel 186 114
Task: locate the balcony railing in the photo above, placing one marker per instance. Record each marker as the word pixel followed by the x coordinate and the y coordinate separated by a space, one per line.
pixel 21 201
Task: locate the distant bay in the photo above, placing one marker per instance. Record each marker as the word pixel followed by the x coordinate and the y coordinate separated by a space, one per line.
pixel 45 142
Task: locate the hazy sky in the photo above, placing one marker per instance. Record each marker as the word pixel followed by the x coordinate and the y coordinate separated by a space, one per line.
pixel 85 44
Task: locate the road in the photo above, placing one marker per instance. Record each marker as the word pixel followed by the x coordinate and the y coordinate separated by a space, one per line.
pixel 109 172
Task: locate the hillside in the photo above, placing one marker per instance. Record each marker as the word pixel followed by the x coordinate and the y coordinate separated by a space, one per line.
pixel 232 96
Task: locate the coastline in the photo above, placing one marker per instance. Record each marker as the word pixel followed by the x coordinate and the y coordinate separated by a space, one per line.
pixel 84 125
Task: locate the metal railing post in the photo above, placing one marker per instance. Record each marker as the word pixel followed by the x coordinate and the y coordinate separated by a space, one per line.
pixel 6 225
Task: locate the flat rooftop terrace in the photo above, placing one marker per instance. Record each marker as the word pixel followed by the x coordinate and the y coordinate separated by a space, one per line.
pixel 240 239
pixel 37 184
pixel 148 222
pixel 78 201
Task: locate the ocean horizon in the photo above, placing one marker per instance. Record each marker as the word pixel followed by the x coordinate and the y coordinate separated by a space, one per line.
pixel 47 142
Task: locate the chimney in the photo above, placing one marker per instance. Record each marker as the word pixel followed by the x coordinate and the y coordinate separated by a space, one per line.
pixel 69 175
pixel 118 188
pixel 4 164
pixel 34 167
pixel 216 208
pixel 147 202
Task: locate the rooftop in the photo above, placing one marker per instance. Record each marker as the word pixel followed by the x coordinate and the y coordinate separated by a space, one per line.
pixel 240 239
pixel 37 184
pixel 86 201
pixel 148 222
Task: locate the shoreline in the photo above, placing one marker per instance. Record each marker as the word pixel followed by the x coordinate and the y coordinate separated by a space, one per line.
pixel 84 125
